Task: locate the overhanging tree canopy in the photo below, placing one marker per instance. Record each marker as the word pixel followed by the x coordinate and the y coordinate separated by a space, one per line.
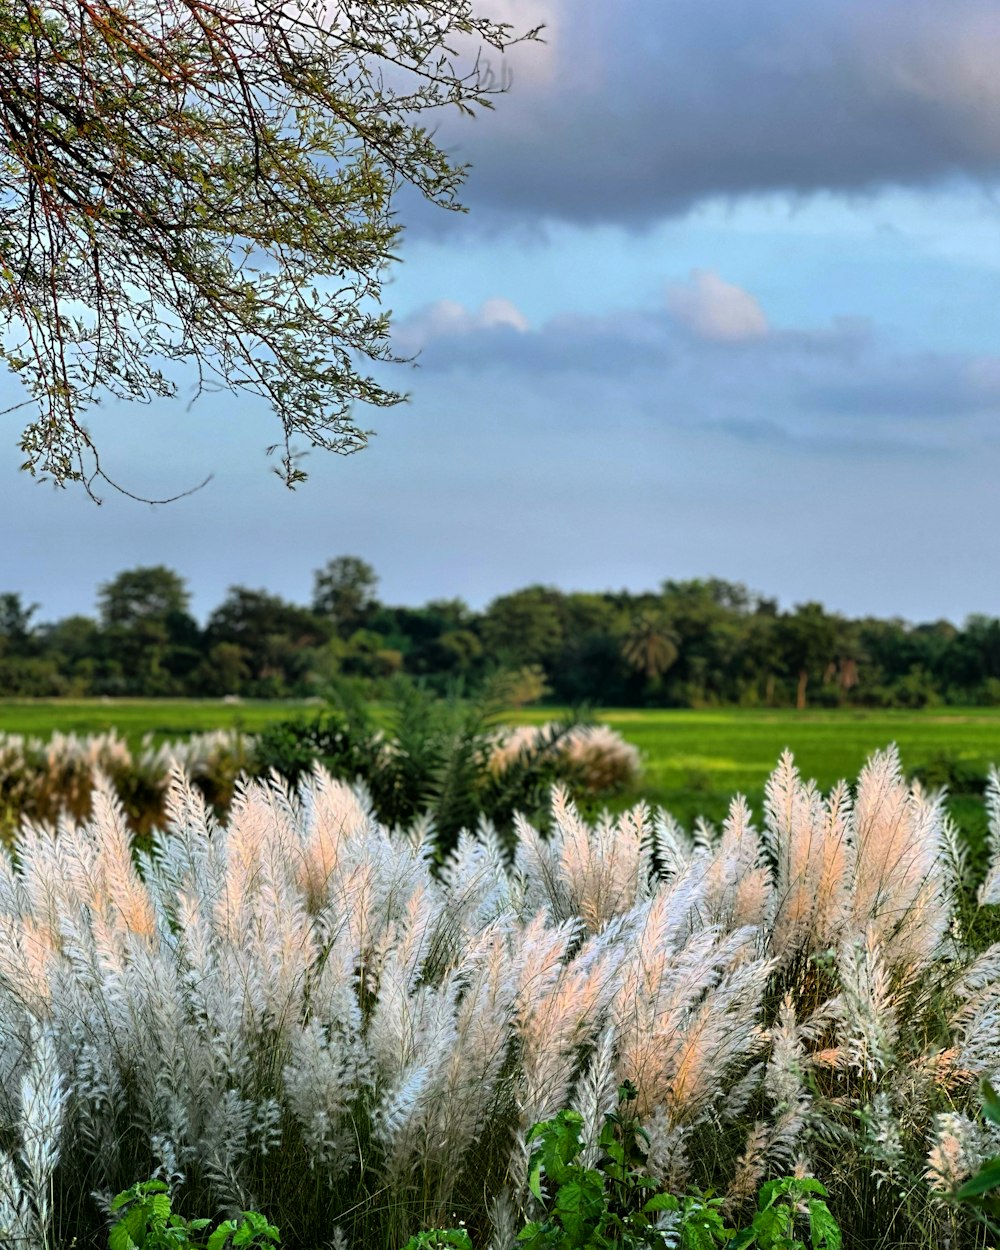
pixel 211 181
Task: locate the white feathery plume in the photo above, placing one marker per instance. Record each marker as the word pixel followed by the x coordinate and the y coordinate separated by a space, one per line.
pixel 737 885
pixel 17 1222
pixel 957 1150
pixel 603 867
pixel 869 1024
pixel 327 1067
pixel 26 955
pixel 475 878
pixel 954 852
pixel 188 852
pixel 465 1093
pixel 118 890
pixel 751 1166
pixel 703 835
pixel 332 818
pixel 504 1222
pixel 25 1183
pixel 667 1156
pixel 670 847
pixel 898 885
pixel 989 891
pixel 596 1094
pixel 537 870
pixel 785 1084
pixel 833 885
pixel 794 834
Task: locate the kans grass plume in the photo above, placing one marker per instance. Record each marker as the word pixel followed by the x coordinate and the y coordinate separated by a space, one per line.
pixel 303 1011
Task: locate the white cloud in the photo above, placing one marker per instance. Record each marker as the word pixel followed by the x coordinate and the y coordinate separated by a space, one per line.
pixel 716 310
pixel 447 318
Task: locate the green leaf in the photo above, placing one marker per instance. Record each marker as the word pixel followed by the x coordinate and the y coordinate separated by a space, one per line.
pixel 745 1238
pixel 135 1223
pixel 535 1180
pixel 119 1238
pixel 769 1192
pixel 991 1102
pixel 824 1231
pixel 159 1206
pixel 221 1235
pixel 987 1178
pixel 662 1202
pixel 770 1224
pixel 810 1185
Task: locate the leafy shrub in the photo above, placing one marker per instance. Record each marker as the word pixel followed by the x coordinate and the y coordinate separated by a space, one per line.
pixel 445 760
pixel 779 1212
pixel 945 769
pixel 147 1221
pixel 609 1204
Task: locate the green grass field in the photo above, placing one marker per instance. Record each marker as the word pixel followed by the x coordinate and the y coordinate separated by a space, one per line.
pixel 694 761
pixel 163 718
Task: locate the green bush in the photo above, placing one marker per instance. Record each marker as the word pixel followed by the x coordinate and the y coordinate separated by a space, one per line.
pixel 615 1203
pixel 146 1221
pixel 432 761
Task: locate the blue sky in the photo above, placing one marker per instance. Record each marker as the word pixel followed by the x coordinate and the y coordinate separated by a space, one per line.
pixel 726 302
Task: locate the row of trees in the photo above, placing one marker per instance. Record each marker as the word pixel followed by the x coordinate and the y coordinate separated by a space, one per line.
pixel 689 644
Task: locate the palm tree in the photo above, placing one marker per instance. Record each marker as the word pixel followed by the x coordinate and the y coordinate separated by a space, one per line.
pixel 650 646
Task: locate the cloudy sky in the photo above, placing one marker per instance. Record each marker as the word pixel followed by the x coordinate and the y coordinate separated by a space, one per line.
pixel 726 302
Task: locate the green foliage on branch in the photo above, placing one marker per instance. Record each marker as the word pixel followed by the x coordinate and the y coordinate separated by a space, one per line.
pixel 188 182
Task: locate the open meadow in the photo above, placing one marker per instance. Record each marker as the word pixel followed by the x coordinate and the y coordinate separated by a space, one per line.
pixel 134 718
pixel 693 762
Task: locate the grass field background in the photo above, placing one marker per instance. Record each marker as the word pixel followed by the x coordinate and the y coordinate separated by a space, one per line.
pixel 133 718
pixel 693 761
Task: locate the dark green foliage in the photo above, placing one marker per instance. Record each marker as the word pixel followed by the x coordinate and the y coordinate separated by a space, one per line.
pixel 777 1218
pixel 146 1221
pixel 698 643
pixel 440 1239
pixel 614 1203
pixel 945 769
pixel 431 759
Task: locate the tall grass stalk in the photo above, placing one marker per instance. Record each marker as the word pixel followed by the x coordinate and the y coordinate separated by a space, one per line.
pixel 304 1013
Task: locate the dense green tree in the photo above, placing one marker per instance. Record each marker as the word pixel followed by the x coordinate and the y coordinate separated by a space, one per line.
pixel 274 640
pixel 651 644
pixel 150 593
pixel 150 639
pixel 527 627
pixel 723 643
pixel 809 639
pixel 16 631
pixel 344 591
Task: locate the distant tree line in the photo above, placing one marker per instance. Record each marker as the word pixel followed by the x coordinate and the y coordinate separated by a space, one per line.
pixel 690 644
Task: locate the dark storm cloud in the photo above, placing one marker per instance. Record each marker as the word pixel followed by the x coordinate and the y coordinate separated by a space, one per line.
pixel 637 109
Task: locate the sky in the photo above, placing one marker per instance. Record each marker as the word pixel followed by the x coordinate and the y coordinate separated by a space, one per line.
pixel 726 303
